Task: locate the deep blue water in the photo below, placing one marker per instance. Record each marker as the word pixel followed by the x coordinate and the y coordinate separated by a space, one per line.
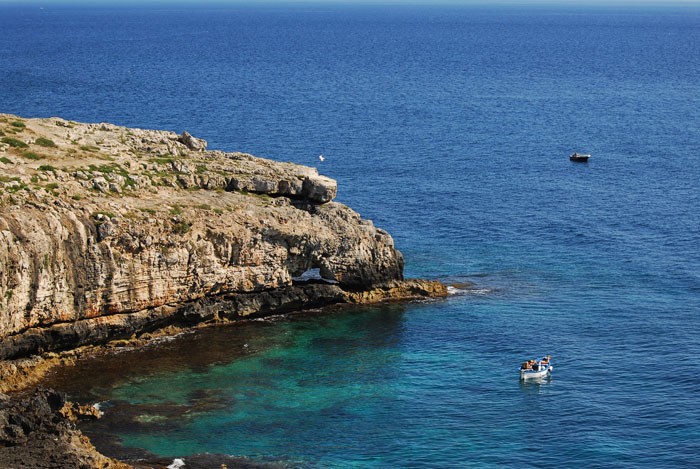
pixel 450 128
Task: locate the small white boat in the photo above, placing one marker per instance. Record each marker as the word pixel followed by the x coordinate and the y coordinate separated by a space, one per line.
pixel 536 368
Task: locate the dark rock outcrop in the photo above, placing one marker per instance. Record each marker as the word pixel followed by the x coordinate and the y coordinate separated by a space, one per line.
pixel 36 433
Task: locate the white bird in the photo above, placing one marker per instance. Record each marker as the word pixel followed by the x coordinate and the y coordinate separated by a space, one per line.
pixel 321 157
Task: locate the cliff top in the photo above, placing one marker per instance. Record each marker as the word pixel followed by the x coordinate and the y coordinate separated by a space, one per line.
pixel 45 160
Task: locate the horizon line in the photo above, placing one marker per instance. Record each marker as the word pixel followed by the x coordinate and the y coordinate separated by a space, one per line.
pixel 327 3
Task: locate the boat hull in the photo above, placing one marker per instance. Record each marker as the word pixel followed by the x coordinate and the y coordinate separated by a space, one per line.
pixel 532 374
pixel 579 158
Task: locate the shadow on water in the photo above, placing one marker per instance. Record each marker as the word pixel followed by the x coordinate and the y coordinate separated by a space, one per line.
pixel 201 349
pixel 237 371
pixel 93 375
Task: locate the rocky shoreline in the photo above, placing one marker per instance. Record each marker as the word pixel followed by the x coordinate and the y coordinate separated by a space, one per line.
pixel 39 431
pixel 39 427
pixel 112 236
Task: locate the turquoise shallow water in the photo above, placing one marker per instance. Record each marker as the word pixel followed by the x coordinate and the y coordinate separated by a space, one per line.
pixel 409 386
pixel 450 128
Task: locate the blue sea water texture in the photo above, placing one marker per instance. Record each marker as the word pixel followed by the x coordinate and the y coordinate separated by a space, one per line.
pixel 451 128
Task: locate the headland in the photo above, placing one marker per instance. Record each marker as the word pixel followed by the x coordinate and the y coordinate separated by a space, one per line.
pixel 112 234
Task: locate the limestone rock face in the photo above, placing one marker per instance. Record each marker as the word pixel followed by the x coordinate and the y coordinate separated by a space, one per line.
pixel 193 143
pixel 108 231
pixel 319 189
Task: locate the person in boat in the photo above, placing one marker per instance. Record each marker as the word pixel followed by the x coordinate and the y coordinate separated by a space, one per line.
pixel 543 364
pixel 536 365
pixel 529 365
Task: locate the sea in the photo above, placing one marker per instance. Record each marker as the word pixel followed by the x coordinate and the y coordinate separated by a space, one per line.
pixel 450 127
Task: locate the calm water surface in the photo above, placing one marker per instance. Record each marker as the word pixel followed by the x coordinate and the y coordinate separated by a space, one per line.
pixel 450 128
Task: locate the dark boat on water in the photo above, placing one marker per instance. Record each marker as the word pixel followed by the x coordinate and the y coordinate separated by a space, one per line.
pixel 579 157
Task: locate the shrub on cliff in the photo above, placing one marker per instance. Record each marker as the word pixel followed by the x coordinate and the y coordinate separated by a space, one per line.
pixel 181 227
pixel 44 142
pixel 31 155
pixel 13 142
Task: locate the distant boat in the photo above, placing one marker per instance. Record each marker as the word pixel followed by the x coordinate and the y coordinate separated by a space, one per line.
pixel 579 157
pixel 536 368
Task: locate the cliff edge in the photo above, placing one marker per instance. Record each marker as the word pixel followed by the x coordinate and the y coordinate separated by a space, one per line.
pixel 109 232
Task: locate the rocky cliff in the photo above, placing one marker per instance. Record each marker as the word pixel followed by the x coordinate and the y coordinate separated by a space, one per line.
pixel 38 431
pixel 109 232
